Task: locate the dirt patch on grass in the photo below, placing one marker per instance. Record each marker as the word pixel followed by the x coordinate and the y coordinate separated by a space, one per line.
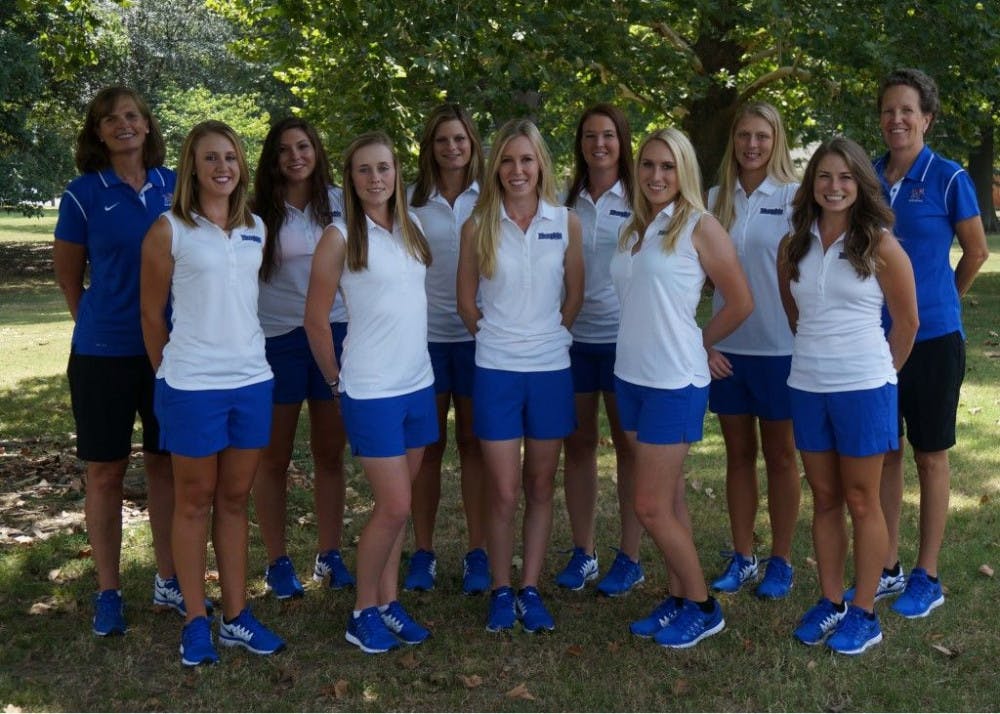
pixel 25 259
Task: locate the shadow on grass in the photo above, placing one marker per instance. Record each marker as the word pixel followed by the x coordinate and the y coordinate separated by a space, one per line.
pixel 37 408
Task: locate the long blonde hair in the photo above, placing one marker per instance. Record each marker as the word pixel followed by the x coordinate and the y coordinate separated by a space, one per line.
pixel 779 165
pixel 354 214
pixel 186 201
pixel 688 201
pixel 486 214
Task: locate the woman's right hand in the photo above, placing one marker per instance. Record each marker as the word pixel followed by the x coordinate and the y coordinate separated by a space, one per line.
pixel 718 365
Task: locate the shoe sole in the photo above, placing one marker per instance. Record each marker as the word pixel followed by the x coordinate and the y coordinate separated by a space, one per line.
pixel 581 586
pixel 501 628
pixel 537 630
pixel 288 596
pixel 205 660
pixel 866 646
pixel 110 633
pixel 620 593
pixel 707 633
pixel 930 608
pixel 236 642
pixel 769 596
pixel 333 585
pixel 361 646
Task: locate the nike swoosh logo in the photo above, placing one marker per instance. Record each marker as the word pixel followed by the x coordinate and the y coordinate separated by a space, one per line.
pixel 108 208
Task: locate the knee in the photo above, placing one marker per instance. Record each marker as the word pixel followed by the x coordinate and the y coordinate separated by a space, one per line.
pixel 827 502
pixel 503 500
pixel 434 453
pixel 539 491
pixel 582 443
pixel 862 504
pixel 649 511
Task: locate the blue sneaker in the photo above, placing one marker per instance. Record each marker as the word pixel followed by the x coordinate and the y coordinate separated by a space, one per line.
pixel 421 572
pixel 738 571
pixel 920 596
pixel 109 614
pixel 660 617
pixel 502 610
pixel 690 626
pixel 408 630
pixel 196 643
pixel 855 633
pixel 369 633
pixel 580 569
pixel 167 594
pixel 331 564
pixel 777 582
pixel 818 622
pixel 889 584
pixel 532 612
pixel 245 631
pixel 280 578
pixel 476 572
pixel 623 575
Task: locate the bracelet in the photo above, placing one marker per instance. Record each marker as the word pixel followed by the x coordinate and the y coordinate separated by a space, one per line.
pixel 333 384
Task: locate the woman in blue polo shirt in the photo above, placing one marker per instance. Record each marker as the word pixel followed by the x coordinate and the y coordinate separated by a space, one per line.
pixel 934 202
pixel 103 217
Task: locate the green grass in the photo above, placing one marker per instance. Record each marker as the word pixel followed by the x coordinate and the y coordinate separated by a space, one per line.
pixel 52 662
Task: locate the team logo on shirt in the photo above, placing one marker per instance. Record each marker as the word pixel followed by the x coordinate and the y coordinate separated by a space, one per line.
pixel 168 198
pixel 619 214
pixel 842 256
pixel 555 235
pixel 917 194
pixel 250 237
pixel 772 211
pixel 337 214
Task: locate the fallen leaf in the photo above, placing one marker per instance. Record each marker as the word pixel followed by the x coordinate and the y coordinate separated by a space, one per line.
pixel 975 410
pixel 211 576
pixel 811 664
pixel 810 562
pixel 340 688
pixel 614 646
pixel 12 709
pixel 56 576
pixel 520 692
pixel 695 485
pixel 408 660
pixel 471 681
pixel 574 650
pixel 42 607
pixel 984 499
pixel 680 687
pixel 986 570
pixel 950 654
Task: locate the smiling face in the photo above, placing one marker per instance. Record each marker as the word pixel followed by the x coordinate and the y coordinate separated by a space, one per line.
pixel 452 146
pixel 599 143
pixel 753 142
pixel 519 168
pixel 835 188
pixel 296 156
pixel 216 166
pixel 373 176
pixel 902 121
pixel 124 128
pixel 657 175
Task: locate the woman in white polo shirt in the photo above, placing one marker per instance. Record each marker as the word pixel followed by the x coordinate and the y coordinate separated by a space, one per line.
pixel 837 268
pixel 521 253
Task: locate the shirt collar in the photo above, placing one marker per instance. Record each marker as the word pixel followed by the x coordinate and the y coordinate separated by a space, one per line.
pixel 767 187
pixel 617 190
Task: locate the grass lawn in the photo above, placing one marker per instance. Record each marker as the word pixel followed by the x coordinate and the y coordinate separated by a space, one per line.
pixel 50 661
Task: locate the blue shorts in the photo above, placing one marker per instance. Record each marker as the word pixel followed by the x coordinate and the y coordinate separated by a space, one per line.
pixel 296 375
pixel 202 422
pixel 758 387
pixel 536 405
pixel 593 367
pixel 662 416
pixel 857 423
pixel 388 426
pixel 454 365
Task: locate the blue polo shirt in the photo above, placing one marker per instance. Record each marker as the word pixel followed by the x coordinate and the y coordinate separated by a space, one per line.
pixel 110 218
pixel 933 197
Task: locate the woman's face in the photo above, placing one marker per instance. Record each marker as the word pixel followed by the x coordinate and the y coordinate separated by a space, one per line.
pixel 835 188
pixel 657 175
pixel 373 173
pixel 296 156
pixel 902 121
pixel 452 146
pixel 753 143
pixel 519 169
pixel 124 128
pixel 217 168
pixel 599 143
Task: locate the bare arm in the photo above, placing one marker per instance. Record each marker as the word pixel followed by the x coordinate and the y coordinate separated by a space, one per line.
pixel 896 280
pixel 154 289
pixel 573 273
pixel 324 280
pixel 975 251
pixel 467 280
pixel 69 261
pixel 784 289
pixel 718 258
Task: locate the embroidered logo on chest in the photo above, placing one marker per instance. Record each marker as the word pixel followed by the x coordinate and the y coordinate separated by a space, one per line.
pixel 250 237
pixel 555 235
pixel 772 211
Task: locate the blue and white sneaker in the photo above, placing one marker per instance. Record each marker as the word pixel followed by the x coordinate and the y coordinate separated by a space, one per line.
pixel 109 614
pixel 854 634
pixel 476 572
pixel 777 581
pixel 920 596
pixel 167 594
pixel 818 622
pixel 422 571
pixel 402 625
pixel 739 571
pixel 660 617
pixel 691 626
pixel 503 613
pixel 330 564
pixel 246 631
pixel 369 632
pixel 280 579
pixel 623 575
pixel 532 611
pixel 581 569
pixel 196 643
pixel 889 583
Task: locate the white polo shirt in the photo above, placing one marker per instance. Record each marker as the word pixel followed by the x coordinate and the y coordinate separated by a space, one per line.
pixel 762 219
pixel 839 342
pixel 385 351
pixel 521 329
pixel 215 341
pixel 601 224
pixel 659 342
pixel 443 228
pixel 282 302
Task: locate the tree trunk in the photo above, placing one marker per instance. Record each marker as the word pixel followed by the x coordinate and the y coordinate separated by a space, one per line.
pixel 981 171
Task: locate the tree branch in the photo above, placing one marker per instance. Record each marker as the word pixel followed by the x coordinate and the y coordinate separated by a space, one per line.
pixel 771 77
pixel 664 30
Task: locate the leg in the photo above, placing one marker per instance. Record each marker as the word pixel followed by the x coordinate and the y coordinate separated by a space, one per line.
pixel 934 472
pixel 580 472
pixel 891 497
pixel 503 466
pixel 103 514
pixel 388 588
pixel 860 481
pixel 470 459
pixel 631 530
pixel 784 490
pixel 160 501
pixel 427 486
pixel 229 525
pixel 829 528
pixel 327 440
pixel 390 481
pixel 740 434
pixel 541 459
pixel 194 490
pixel 270 487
